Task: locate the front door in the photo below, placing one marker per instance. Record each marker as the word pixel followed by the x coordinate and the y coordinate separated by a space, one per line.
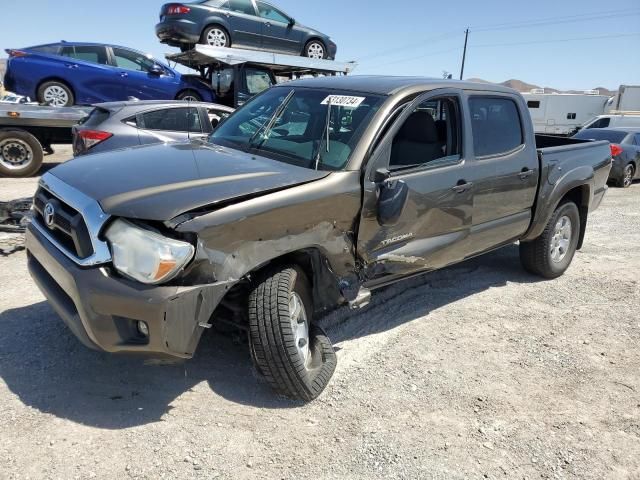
pixel 137 78
pixel 278 31
pixel 419 217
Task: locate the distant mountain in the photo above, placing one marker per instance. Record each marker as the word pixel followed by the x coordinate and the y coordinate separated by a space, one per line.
pixel 521 86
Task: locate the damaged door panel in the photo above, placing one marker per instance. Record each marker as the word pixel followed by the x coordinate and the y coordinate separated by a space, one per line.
pixel 238 239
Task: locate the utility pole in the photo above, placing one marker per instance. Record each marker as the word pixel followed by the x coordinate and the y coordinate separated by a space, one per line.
pixel 464 53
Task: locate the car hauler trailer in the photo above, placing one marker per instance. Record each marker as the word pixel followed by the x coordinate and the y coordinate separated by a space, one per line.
pixel 563 113
pixel 28 131
pixel 236 75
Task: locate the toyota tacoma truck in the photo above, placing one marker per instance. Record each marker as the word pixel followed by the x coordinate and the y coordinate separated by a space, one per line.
pixel 312 195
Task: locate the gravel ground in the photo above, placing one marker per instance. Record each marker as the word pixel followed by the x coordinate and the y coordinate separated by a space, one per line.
pixel 477 371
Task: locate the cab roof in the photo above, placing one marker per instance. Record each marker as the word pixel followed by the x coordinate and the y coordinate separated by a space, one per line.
pixel 389 85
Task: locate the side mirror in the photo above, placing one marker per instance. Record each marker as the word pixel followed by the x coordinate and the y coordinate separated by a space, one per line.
pixel 156 70
pixel 392 198
pixel 292 22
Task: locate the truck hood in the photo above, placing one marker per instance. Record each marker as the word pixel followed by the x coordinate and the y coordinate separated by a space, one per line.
pixel 160 182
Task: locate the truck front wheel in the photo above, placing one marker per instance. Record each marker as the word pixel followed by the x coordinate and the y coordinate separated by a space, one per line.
pixel 20 153
pixel 294 355
pixel 551 253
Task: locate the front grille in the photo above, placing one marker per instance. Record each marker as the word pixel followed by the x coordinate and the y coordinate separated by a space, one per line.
pixel 67 226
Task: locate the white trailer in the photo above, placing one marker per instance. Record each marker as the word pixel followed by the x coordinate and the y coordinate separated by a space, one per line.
pixel 627 99
pixel 563 113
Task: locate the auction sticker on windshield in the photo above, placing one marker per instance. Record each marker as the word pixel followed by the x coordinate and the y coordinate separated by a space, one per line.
pixel 343 101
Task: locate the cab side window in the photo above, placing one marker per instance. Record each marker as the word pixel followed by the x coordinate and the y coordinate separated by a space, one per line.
pixel 431 133
pixel 496 125
pixel 257 80
pixel 601 123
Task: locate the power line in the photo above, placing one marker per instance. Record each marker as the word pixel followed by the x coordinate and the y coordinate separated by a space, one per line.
pixel 584 17
pixel 557 40
pixel 411 46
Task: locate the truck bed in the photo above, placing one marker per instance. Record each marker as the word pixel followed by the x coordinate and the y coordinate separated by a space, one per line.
pixel 41 116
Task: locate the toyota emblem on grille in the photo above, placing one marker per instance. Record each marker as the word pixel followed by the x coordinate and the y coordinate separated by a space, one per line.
pixel 49 214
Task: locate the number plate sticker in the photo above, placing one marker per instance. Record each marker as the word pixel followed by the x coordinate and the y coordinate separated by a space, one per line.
pixel 344 101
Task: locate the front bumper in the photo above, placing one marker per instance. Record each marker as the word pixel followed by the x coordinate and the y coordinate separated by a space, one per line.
pixel 103 311
pixel 178 32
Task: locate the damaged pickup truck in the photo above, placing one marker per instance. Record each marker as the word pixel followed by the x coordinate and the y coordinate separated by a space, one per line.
pixel 310 196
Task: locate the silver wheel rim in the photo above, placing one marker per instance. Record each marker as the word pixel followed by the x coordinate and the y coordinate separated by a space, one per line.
pixel 315 50
pixel 561 239
pixel 299 326
pixel 56 96
pixel 216 38
pixel 628 176
pixel 190 98
pixel 15 154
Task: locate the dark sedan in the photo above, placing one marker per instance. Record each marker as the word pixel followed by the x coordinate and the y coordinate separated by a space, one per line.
pixel 249 24
pixel 625 148
pixel 127 124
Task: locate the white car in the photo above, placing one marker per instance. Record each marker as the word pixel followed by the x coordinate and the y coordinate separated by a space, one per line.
pixel 614 121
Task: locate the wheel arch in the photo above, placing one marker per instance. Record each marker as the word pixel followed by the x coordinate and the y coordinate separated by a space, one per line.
pixel 325 285
pixel 581 196
pixel 217 21
pixel 54 78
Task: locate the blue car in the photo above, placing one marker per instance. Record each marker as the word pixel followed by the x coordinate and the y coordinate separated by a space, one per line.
pixel 65 74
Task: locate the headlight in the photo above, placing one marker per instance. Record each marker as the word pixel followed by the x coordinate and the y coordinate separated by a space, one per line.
pixel 144 255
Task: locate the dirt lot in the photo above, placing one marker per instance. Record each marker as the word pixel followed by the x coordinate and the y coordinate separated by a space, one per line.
pixel 478 371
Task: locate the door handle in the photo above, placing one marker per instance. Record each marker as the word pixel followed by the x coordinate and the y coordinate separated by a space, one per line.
pixel 526 173
pixel 268 24
pixel 462 186
pixel 72 65
pixel 124 75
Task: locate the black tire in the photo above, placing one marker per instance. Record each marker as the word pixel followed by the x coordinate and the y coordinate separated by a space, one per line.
pixel 205 34
pixel 20 154
pixel 272 338
pixel 309 46
pixel 67 101
pixel 626 179
pixel 189 95
pixel 537 257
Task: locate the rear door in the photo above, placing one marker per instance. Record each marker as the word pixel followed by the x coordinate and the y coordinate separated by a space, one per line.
pixel 170 125
pixel 420 216
pixel 134 70
pixel 246 26
pixel 505 171
pixel 278 32
pixel 87 69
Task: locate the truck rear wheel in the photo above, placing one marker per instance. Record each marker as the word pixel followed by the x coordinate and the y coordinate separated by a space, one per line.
pixel 551 253
pixel 293 354
pixel 20 153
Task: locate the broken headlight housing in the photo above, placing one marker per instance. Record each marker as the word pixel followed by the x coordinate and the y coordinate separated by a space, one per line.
pixel 146 256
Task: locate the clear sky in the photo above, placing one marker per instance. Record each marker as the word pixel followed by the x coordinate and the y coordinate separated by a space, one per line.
pixel 566 44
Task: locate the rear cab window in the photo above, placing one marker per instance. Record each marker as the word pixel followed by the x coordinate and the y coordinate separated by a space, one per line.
pixel 496 125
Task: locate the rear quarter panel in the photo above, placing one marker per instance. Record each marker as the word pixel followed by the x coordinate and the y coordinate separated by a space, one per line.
pixel 565 168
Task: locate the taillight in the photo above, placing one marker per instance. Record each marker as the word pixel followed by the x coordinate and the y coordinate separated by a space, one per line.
pixel 90 138
pixel 16 53
pixel 177 10
pixel 615 150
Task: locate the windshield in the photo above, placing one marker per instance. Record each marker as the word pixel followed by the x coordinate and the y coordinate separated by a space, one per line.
pixel 311 128
pixel 614 136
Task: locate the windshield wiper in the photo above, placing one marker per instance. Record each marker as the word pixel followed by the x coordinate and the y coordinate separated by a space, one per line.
pixel 325 142
pixel 269 125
